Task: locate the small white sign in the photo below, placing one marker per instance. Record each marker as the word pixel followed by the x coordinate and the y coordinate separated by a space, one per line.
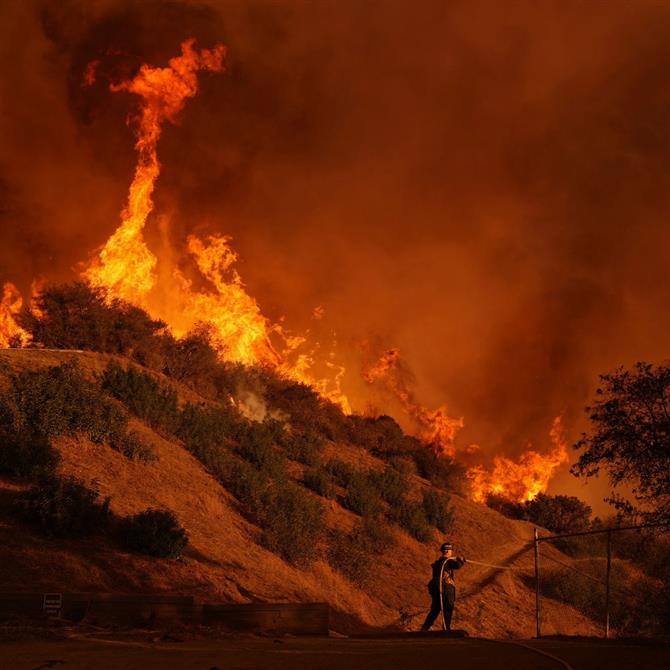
pixel 53 603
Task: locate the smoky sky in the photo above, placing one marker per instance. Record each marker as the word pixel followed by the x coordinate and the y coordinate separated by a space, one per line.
pixel 481 184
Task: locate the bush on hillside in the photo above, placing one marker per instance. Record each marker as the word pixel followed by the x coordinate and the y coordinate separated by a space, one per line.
pixel 206 428
pixel 356 553
pixel 63 507
pixel 76 316
pixel 341 472
pixel 292 522
pixel 319 481
pixel 302 446
pixel 559 514
pixel 26 454
pixel 380 435
pixel 437 510
pixel 411 517
pixel 43 404
pixel 403 464
pixel 143 395
pixel 391 485
pixel 362 496
pixel 130 444
pixel 440 470
pixel 256 445
pixel 155 532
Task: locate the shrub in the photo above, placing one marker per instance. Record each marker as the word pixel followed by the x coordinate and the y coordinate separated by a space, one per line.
pixel 292 522
pixel 381 435
pixel 63 507
pixel 248 484
pixel 75 316
pixel 506 507
pixel 437 510
pixel 302 446
pixel 26 454
pixel 131 445
pixel 391 485
pixel 411 517
pixel 143 395
pixel 201 425
pixel 320 482
pixel 354 553
pixel 559 514
pixel 405 466
pixel 155 532
pixel 341 472
pixel 60 401
pixel 440 470
pixel 256 442
pixel 362 497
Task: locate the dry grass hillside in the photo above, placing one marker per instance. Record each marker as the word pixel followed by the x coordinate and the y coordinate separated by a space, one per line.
pixel 224 561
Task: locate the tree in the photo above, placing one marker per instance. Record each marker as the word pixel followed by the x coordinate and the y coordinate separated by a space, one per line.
pixel 630 438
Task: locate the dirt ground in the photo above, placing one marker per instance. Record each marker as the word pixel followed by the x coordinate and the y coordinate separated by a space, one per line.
pixel 334 654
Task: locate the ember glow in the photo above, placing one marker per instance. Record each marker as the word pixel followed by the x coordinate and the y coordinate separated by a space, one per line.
pixel 11 334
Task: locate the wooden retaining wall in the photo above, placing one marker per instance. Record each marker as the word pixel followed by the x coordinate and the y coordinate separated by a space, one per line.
pixel 140 610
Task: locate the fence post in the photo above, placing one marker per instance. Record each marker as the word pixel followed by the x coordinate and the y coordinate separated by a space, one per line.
pixel 607 583
pixel 537 587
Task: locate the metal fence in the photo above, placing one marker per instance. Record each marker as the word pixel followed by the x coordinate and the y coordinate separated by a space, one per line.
pixel 608 534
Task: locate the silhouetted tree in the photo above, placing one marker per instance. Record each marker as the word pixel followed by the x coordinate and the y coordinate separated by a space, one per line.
pixel 630 438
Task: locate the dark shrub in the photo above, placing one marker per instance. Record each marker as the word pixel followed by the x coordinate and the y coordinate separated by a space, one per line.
pixel 143 395
pixel 130 444
pixel 341 472
pixel 204 429
pixel 559 514
pixel 247 483
pixel 442 471
pixel 75 316
pixel 404 465
pixel 256 442
pixel 437 510
pixel 302 446
pixel 381 435
pixel 320 482
pixel 354 553
pixel 362 497
pixel 63 507
pixel 411 517
pixel 26 454
pixel 292 522
pixel 506 507
pixel 155 532
pixel 194 361
pixel 391 485
pixel 59 401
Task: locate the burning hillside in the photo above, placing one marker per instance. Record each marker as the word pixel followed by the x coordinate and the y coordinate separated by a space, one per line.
pixel 126 269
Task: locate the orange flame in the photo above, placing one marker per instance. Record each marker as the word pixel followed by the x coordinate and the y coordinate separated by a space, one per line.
pixel 432 426
pixel 11 334
pixel 521 480
pixel 126 268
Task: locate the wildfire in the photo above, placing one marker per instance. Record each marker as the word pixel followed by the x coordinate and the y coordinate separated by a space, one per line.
pixel 520 480
pixel 11 334
pixel 126 268
pixel 434 426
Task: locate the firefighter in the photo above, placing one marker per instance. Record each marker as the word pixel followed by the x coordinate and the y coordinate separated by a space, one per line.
pixel 443 568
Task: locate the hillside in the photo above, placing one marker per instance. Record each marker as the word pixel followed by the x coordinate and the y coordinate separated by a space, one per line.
pixel 224 561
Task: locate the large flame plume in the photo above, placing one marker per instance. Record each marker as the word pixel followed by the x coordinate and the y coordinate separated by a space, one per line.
pixel 126 268
pixel 521 480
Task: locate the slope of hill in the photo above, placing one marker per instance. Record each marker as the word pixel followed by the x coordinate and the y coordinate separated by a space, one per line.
pixel 225 562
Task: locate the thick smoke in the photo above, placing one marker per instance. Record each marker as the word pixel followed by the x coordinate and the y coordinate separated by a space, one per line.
pixel 482 185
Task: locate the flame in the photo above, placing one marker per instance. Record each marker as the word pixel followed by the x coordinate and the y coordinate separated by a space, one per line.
pixel 126 268
pixel 435 426
pixel 521 480
pixel 11 334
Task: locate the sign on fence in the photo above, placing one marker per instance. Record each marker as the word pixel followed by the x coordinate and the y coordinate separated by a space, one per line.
pixel 53 603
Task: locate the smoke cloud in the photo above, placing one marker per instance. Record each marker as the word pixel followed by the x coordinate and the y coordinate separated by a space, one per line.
pixel 482 185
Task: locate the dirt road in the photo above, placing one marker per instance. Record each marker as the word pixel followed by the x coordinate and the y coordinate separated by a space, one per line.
pixel 332 654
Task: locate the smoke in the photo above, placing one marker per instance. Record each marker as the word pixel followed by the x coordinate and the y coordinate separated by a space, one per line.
pixel 483 186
